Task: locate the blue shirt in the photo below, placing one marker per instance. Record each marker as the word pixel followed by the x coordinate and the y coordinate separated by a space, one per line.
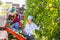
pixel 29 28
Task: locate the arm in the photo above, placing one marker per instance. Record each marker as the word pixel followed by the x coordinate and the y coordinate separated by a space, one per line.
pixel 25 28
pixel 36 27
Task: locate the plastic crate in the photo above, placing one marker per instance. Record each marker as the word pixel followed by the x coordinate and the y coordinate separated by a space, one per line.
pixel 2 19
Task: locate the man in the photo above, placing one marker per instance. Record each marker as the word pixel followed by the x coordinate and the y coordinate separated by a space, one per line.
pixel 20 17
pixel 22 8
pixel 30 26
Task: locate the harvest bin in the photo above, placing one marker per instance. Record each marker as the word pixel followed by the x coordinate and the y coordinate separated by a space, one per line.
pixel 2 18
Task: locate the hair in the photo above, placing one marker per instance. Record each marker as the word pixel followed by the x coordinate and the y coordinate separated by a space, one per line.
pixel 10 15
pixel 23 5
pixel 21 12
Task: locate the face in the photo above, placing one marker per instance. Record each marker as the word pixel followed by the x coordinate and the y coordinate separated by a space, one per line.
pixel 15 13
pixel 23 5
pixel 30 21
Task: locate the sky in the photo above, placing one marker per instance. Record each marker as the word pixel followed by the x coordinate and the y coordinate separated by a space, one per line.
pixel 21 2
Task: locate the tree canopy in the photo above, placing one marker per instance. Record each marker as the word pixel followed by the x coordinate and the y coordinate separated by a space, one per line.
pixel 46 15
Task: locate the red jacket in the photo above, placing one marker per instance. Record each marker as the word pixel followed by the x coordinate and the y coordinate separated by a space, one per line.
pixel 15 19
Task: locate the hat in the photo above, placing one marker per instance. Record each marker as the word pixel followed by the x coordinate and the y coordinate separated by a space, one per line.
pixel 30 18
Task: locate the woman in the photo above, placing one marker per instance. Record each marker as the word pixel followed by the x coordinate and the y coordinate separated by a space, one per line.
pixel 15 22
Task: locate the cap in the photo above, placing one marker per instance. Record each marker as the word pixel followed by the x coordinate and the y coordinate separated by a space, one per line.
pixel 30 18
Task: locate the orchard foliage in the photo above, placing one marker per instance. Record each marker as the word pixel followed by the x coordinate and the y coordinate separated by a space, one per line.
pixel 1 3
pixel 46 15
